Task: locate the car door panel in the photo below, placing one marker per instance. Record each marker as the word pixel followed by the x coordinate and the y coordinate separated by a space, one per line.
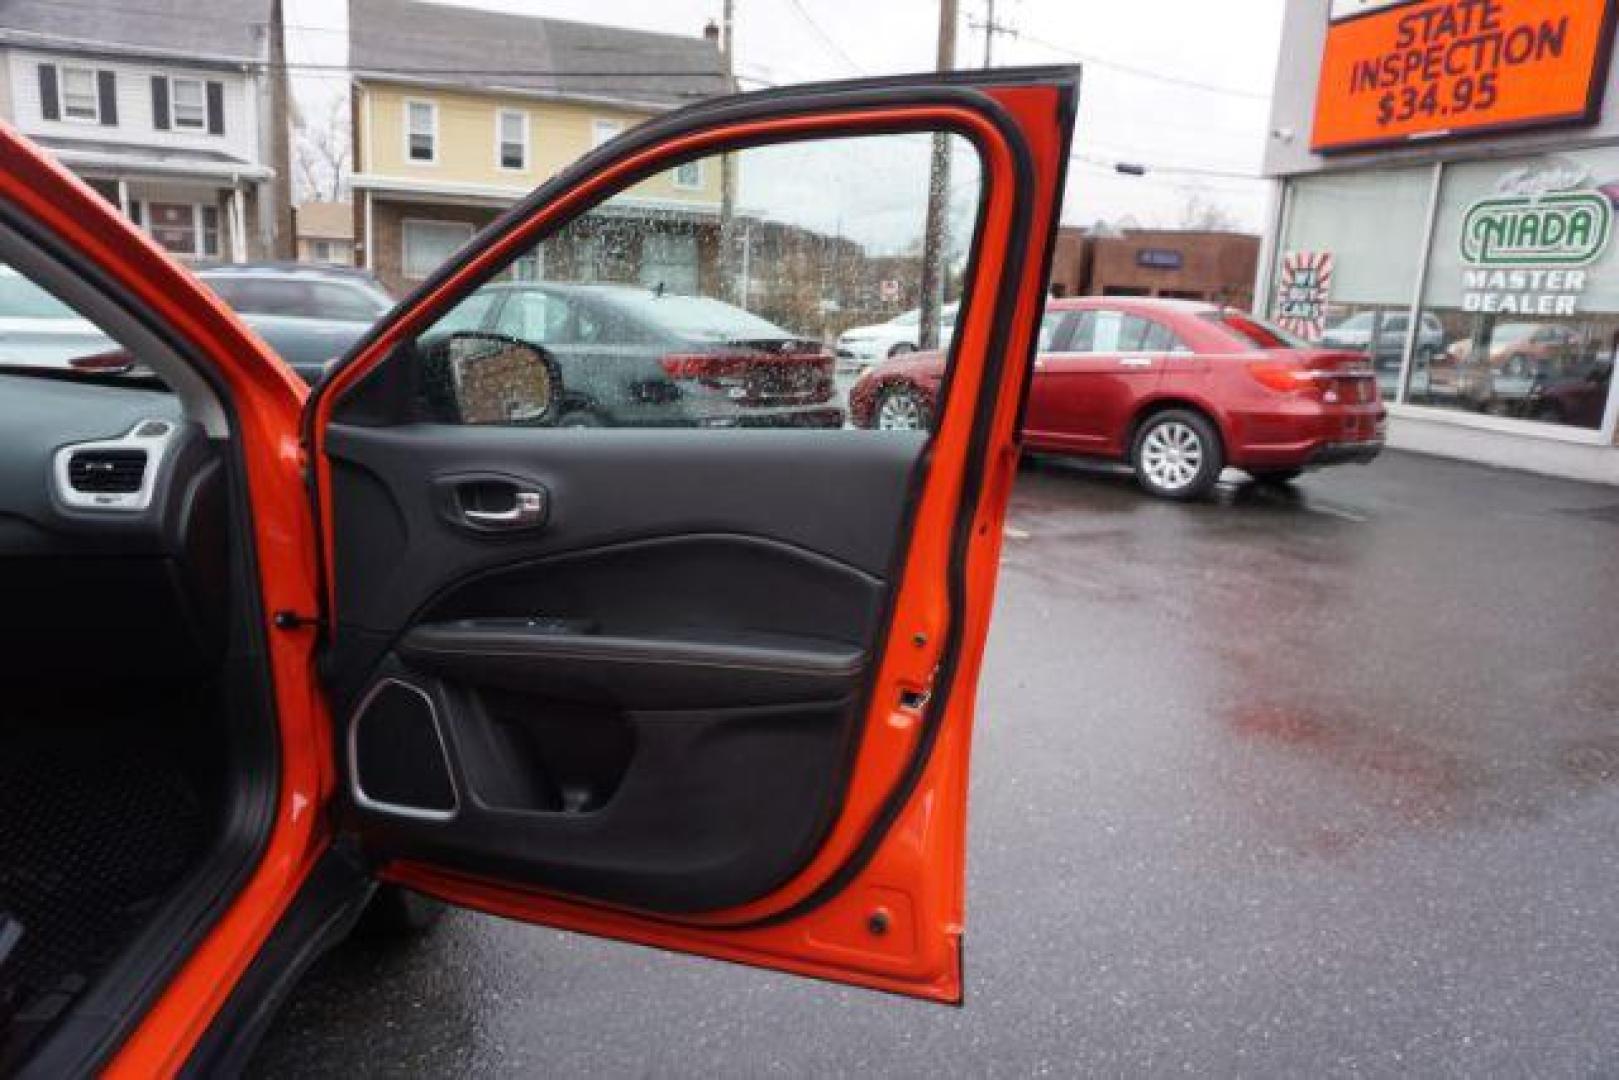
pixel 681 643
pixel 717 696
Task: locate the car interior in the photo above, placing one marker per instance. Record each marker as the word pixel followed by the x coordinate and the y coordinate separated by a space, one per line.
pixel 136 748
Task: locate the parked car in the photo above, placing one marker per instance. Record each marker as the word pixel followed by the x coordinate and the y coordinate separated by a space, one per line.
pixel 1391 329
pixel 299 290
pixel 309 315
pixel 1518 350
pixel 631 356
pixel 862 346
pixel 37 329
pixel 1578 399
pixel 1177 389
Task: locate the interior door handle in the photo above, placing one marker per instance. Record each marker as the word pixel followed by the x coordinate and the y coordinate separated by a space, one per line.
pixel 491 502
pixel 527 509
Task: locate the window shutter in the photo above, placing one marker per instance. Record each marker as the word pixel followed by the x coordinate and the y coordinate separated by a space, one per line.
pixel 216 108
pixel 160 102
pixel 107 91
pixel 50 105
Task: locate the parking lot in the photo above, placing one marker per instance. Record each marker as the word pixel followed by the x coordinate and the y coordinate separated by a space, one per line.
pixel 1296 783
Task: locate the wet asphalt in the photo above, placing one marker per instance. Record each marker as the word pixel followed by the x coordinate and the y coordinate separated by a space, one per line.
pixel 1315 783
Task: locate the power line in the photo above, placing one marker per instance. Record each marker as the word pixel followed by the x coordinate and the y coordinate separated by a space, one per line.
pixel 826 38
pixel 1144 73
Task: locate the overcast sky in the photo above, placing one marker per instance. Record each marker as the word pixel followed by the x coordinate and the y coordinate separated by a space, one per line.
pixel 1168 83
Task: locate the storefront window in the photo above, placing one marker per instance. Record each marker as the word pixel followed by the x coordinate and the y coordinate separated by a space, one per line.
pixel 1351 250
pixel 1523 289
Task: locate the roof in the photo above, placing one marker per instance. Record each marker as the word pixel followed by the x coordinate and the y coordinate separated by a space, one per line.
pixel 326 219
pixel 234 31
pixel 414 41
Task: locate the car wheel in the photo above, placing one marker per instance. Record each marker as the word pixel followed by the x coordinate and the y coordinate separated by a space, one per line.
pixel 1277 477
pixel 581 418
pixel 901 349
pixel 1177 455
pixel 900 408
pixel 399 915
pixel 1517 366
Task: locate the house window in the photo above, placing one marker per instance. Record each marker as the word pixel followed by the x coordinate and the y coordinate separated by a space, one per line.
pixel 605 131
pixel 421 131
pixel 689 175
pixel 511 136
pixel 80 101
pixel 190 229
pixel 188 106
pixel 427 244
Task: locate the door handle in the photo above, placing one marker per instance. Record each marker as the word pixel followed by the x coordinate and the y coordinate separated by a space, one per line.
pixel 1039 364
pixel 527 509
pixel 491 502
pixel 1136 361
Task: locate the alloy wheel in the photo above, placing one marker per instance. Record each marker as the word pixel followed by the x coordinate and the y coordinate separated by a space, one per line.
pixel 1172 455
pixel 899 410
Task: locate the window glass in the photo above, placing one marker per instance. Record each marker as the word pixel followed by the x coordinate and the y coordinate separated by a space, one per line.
pixel 1050 324
pixel 649 320
pixel 427 244
pixel 37 330
pixel 1348 261
pixel 1521 307
pixel 187 103
pixel 689 174
pixel 79 98
pixel 1159 338
pixel 422 130
pixel 513 140
pixel 1257 333
pixel 605 131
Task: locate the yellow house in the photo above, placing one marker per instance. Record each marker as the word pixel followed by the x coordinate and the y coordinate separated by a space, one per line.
pixel 458 113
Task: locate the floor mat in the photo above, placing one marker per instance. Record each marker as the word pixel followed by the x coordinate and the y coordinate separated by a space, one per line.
pixel 95 829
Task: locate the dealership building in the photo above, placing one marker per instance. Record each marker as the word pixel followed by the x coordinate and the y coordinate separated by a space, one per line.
pixel 1447 174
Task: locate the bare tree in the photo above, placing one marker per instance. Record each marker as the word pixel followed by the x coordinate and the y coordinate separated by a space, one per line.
pixel 1202 214
pixel 321 153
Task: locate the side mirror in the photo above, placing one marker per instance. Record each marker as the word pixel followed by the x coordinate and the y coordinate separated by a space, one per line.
pixel 473 377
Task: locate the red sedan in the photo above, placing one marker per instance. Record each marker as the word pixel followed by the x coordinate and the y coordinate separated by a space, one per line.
pixel 1178 389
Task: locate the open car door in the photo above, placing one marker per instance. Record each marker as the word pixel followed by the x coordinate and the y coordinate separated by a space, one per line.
pixel 628 633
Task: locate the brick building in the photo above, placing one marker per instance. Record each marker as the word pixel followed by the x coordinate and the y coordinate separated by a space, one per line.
pixel 1214 266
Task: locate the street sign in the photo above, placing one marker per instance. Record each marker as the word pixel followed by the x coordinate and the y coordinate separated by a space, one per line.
pixel 1425 69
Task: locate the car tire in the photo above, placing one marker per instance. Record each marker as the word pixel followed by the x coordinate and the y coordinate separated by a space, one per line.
pixel 902 348
pixel 901 408
pixel 1177 454
pixel 579 418
pixel 397 914
pixel 1277 477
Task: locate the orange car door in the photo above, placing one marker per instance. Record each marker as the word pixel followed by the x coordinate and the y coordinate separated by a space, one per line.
pixel 642 642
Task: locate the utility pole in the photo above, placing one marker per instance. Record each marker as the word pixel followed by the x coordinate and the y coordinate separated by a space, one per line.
pixel 727 239
pixel 280 208
pixel 990 28
pixel 934 237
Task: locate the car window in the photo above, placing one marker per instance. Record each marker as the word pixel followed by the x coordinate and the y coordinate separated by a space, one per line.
pixel 536 317
pixel 1255 333
pixel 647 319
pixel 1051 326
pixel 1160 338
pixel 470 314
pixel 332 300
pixel 22 299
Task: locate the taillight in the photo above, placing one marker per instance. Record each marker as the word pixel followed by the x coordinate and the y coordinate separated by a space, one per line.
pixel 1287 377
pixel 690 365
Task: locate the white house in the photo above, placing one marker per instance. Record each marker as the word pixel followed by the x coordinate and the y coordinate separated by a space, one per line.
pixel 161 107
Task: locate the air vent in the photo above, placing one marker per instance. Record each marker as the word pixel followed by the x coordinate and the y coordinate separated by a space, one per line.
pixel 107 472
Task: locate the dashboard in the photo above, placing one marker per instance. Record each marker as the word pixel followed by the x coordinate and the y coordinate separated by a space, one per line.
pixel 112 532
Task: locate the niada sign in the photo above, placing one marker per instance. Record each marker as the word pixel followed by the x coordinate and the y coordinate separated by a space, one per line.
pixel 1568 229
pixel 1526 253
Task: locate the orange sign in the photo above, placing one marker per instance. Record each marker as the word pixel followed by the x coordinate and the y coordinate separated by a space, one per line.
pixel 1431 68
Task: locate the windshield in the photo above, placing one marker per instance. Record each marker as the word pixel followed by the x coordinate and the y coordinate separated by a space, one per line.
pixel 697 317
pixel 1256 332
